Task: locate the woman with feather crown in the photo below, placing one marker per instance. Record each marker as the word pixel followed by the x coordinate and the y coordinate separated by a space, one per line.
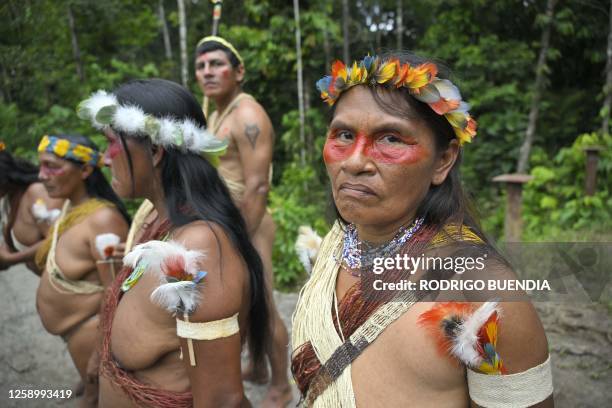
pixel 192 289
pixel 392 154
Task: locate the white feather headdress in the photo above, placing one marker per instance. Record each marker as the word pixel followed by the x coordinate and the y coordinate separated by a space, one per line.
pixel 103 109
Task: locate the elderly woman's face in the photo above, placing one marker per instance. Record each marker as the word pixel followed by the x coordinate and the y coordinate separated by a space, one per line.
pixel 380 165
pixel 61 177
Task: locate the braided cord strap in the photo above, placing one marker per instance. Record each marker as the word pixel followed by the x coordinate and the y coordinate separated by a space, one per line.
pixel 365 335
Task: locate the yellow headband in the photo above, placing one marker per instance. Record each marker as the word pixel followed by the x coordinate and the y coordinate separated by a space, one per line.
pixel 66 149
pixel 224 42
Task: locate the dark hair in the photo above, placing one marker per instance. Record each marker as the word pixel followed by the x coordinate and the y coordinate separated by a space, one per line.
pixel 447 202
pixel 194 190
pixel 16 173
pixel 209 46
pixel 96 184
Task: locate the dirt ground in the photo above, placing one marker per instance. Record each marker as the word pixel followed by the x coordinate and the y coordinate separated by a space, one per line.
pixel 580 341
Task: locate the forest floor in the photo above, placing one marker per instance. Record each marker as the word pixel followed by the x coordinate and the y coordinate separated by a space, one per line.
pixel 579 335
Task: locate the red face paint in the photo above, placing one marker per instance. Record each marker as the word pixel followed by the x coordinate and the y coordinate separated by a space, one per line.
pixel 114 148
pixel 46 170
pixel 386 147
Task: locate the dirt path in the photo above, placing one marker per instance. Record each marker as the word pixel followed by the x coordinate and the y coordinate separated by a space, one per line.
pixel 580 340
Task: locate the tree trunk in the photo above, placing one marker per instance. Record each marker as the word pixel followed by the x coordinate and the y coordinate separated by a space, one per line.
pixel 345 32
pixel 183 40
pixel 523 162
pixel 399 21
pixel 164 29
pixel 605 124
pixel 76 51
pixel 327 49
pixel 307 105
pixel 300 83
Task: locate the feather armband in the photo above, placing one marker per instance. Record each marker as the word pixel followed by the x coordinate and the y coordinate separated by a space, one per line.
pixel 467 334
pixel 177 270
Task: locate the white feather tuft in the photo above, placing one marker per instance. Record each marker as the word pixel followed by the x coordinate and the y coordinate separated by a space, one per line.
pixel 104 241
pixel 154 254
pixel 97 101
pixel 191 133
pixel 167 129
pixel 176 297
pixel 129 119
pixel 307 246
pixel 42 213
pixel 464 345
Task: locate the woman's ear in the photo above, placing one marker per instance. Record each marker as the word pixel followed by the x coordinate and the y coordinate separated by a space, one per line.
pixel 445 162
pixel 86 171
pixel 157 154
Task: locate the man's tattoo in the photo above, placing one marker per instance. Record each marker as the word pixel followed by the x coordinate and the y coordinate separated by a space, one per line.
pixel 252 132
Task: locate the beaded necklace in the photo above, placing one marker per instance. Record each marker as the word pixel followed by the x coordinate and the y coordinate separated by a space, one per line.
pixel 359 255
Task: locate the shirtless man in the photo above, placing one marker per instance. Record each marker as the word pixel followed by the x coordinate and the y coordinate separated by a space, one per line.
pixel 26 211
pixel 246 168
pixel 74 271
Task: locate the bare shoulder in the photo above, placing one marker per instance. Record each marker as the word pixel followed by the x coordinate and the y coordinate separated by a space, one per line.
pixel 223 285
pixel 521 340
pixel 251 111
pixel 106 218
pixel 202 235
pixel 37 191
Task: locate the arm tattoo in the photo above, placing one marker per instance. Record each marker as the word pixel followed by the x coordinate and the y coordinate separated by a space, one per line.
pixel 252 132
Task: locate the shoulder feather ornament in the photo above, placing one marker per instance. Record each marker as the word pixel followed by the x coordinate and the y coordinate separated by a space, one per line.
pixel 43 214
pixel 307 246
pixel 177 270
pixel 467 334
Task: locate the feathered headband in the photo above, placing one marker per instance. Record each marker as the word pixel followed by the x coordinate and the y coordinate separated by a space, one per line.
pixel 103 109
pixel 421 81
pixel 224 42
pixel 66 149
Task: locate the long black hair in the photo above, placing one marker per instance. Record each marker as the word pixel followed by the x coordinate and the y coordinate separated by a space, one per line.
pixel 448 201
pixel 96 184
pixel 194 190
pixel 16 173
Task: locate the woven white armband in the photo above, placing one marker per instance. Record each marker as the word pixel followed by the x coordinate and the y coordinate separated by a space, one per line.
pixel 208 330
pixel 512 390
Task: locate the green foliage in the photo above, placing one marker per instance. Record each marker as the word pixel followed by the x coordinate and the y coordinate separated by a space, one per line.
pixel 555 202
pixel 493 60
pixel 295 202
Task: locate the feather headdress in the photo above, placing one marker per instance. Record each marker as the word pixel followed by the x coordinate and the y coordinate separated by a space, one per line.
pixel 103 109
pixel 43 214
pixel 466 334
pixel 177 270
pixel 421 81
pixel 307 246
pixel 106 243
